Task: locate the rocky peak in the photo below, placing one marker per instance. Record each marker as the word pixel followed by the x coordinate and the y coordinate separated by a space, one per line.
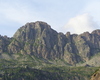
pixel 31 31
pixel 97 32
pixel 41 38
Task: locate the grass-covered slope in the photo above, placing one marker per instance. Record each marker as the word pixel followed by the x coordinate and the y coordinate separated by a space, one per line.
pixel 46 73
pixel 26 67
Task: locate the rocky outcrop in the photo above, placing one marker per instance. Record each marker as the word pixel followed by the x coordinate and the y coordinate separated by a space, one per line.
pixel 4 42
pixel 40 40
pixel 96 75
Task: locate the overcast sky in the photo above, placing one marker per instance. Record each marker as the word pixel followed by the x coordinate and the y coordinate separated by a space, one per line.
pixel 76 16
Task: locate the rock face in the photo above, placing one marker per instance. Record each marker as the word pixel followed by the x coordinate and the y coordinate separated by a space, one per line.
pixel 4 42
pixel 96 75
pixel 40 40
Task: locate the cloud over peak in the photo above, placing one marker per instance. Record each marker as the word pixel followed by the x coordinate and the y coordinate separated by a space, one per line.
pixel 81 23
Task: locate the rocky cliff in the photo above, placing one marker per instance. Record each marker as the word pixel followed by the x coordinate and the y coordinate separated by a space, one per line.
pixel 40 40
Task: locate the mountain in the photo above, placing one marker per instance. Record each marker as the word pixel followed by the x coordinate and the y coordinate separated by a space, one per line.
pixel 40 40
pixel 37 52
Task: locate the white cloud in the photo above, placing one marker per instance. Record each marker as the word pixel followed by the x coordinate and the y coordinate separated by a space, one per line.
pixel 92 8
pixel 81 23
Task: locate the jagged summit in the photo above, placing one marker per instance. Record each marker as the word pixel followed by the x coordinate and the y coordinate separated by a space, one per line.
pixel 30 29
pixel 97 32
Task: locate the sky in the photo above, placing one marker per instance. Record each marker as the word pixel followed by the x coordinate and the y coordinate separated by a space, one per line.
pixel 75 16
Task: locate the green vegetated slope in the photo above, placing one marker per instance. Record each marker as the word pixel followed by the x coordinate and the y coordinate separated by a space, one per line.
pixel 46 73
pixel 31 68
pixel 37 52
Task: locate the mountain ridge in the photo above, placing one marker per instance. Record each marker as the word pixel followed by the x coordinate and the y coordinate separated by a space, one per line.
pixel 40 40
